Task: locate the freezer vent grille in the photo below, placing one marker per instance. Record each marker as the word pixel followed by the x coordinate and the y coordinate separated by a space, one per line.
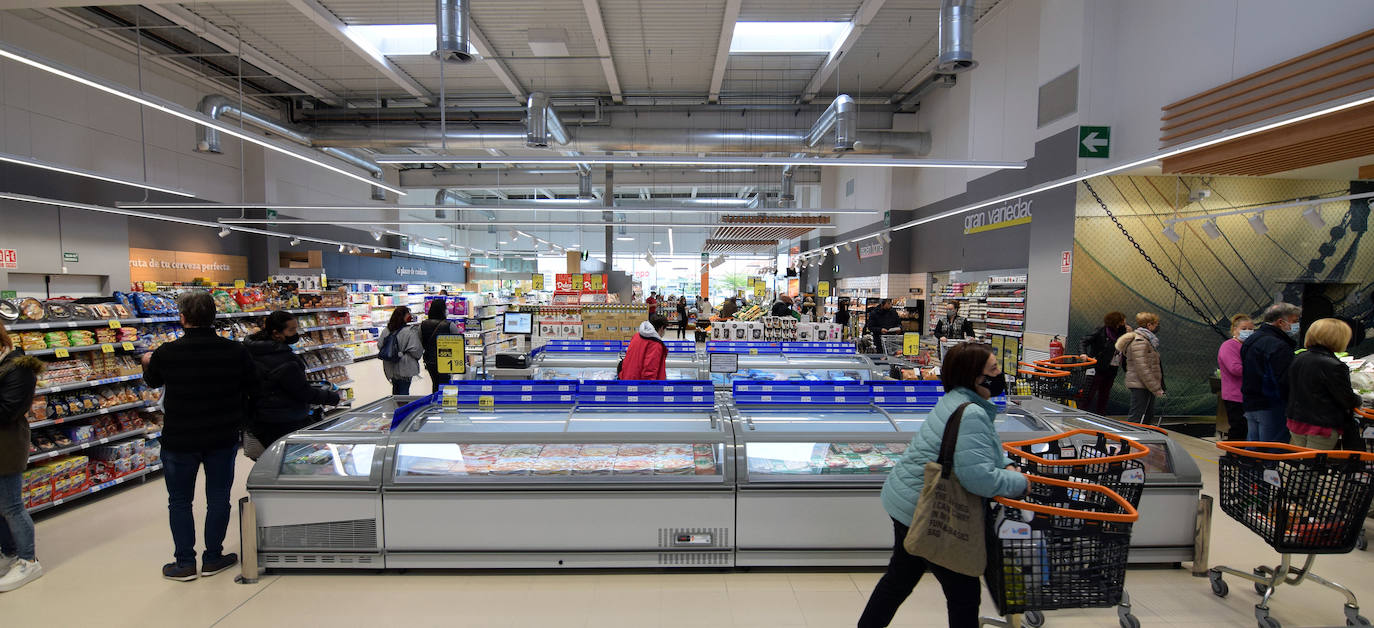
pixel 322 560
pixel 354 534
pixel 721 559
pixel 720 537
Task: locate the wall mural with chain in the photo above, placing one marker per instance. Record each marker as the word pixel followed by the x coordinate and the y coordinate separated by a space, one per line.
pixel 1123 261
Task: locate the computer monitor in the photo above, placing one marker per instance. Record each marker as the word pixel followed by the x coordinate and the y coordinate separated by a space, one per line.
pixel 518 323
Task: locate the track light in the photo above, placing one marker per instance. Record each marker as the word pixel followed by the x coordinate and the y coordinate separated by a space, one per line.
pixel 1171 233
pixel 1314 218
pixel 849 246
pixel 885 237
pixel 1210 228
pixel 377 235
pixel 376 250
pixel 224 233
pixel 1257 223
pixel 341 248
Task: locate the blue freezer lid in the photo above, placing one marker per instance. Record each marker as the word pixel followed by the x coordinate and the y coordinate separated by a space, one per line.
pixel 788 392
pixel 750 347
pixel 819 348
pixel 689 393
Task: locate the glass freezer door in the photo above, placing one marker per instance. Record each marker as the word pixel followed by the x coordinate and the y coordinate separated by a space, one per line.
pixel 430 462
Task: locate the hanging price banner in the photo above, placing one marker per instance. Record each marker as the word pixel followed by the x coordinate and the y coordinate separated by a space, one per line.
pixel 823 289
pixel 577 283
pixel 451 354
pixel 537 281
pixel 911 343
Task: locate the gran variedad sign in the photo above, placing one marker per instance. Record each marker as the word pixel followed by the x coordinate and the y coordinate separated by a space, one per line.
pixel 1011 214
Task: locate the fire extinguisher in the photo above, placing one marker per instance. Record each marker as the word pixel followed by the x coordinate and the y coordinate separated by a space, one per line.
pixel 1056 348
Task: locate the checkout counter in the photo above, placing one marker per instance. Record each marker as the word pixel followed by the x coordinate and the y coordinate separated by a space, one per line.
pixel 549 474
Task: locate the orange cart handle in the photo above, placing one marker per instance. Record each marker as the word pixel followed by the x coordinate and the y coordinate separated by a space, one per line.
pixel 1298 453
pixel 1067 361
pixel 1136 449
pixel 1142 425
pixel 1364 412
pixel 1034 369
pixel 1129 516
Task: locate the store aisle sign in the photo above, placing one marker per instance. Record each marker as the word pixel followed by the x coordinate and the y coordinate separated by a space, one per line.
pixel 450 352
pixel 184 266
pixel 1066 262
pixel 1009 215
pixel 9 259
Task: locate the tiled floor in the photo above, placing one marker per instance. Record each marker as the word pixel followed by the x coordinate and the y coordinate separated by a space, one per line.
pixel 103 559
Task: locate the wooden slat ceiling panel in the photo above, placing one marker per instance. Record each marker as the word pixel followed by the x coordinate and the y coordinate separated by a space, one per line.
pixel 1345 135
pixel 737 246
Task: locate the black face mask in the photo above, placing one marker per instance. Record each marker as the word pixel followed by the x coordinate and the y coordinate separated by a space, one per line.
pixel 292 339
pixel 995 385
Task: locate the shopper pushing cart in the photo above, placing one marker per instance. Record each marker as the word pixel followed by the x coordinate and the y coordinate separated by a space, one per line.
pixel 1301 502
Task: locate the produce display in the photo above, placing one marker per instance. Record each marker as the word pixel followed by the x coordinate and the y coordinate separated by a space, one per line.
pixel 823 458
pixel 555 460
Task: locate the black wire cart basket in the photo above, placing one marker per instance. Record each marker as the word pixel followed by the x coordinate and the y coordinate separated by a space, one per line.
pixel 1044 382
pixel 1301 502
pixel 1064 546
pixel 1092 457
pixel 1365 416
pixel 1074 388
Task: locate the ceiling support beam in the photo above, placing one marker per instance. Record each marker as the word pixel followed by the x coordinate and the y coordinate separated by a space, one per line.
pixel 867 11
pixel 494 63
pixel 331 24
pixel 603 48
pixel 228 41
pixel 727 33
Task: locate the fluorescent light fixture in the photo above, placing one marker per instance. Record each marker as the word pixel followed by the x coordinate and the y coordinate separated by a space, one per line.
pixel 871 162
pixel 725 170
pixel 1315 111
pixel 657 242
pixel 445 239
pixel 396 40
pixel 1314 218
pixel 707 208
pixel 670 240
pixel 483 223
pixel 25 57
pixel 625 238
pixel 502 242
pixel 81 172
pixel 478 266
pixel 1210 228
pixel 787 37
pixel 1171 233
pixel 1257 223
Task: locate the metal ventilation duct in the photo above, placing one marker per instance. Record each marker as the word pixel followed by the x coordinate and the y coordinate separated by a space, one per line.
pixel 451 18
pixel 788 198
pixel 542 123
pixel 843 116
pixel 956 37
pixel 584 186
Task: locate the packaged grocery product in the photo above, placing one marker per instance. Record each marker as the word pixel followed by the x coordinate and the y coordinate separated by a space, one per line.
pixel 32 310
pixel 639 465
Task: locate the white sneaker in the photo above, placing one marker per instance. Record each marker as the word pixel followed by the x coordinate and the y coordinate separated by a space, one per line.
pixel 20 574
pixel 6 561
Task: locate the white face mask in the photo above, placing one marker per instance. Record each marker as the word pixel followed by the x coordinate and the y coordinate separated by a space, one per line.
pixel 1244 333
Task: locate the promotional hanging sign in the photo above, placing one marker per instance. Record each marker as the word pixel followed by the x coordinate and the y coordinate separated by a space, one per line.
pixel 823 289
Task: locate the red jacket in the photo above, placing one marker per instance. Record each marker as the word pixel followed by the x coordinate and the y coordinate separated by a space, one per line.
pixel 647 357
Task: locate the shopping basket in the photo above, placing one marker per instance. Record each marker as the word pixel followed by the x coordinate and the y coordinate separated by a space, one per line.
pixel 1099 458
pixel 1075 386
pixel 1300 501
pixel 1064 546
pixel 1045 382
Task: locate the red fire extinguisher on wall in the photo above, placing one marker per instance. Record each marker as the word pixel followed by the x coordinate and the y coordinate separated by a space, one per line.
pixel 1056 348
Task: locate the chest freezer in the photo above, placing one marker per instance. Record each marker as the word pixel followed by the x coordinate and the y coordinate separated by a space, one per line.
pixel 800 368
pixel 600 362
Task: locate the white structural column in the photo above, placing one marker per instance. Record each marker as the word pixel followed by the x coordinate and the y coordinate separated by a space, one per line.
pixel 603 48
pixel 222 38
pixel 334 26
pixel 727 33
pixel 867 11
pixel 497 66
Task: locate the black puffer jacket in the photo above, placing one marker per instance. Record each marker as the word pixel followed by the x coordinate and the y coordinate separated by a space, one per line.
pixel 1319 391
pixel 286 394
pixel 18 376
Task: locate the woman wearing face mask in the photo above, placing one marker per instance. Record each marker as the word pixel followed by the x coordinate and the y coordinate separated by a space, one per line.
pixel 284 404
pixel 1229 364
pixel 1144 375
pixel 1101 346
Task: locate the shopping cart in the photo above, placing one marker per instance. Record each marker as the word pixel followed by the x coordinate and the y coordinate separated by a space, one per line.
pixel 1366 418
pixel 1064 546
pixel 1099 458
pixel 892 344
pixel 1300 501
pixel 1074 388
pixel 1045 382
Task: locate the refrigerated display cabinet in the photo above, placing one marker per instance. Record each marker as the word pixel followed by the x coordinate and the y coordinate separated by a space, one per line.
pixel 800 368
pixel 609 479
pixel 600 363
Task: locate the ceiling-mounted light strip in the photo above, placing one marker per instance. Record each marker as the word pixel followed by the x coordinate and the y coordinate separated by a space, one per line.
pixel 1316 111
pixel 485 223
pixel 25 57
pixel 631 209
pixel 869 162
pixel 81 172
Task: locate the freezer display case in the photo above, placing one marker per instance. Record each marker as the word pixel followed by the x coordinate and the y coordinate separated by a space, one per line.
pixel 815 457
pixel 509 474
pixel 599 362
pixel 800 367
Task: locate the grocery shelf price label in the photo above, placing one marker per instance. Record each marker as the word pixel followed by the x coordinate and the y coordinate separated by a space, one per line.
pixel 62 353
pixel 911 343
pixel 239 283
pixel 114 324
pixel 128 346
pixel 486 402
pixel 107 348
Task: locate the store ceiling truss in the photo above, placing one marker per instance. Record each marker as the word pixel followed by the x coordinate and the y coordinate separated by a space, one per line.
pixel 714 245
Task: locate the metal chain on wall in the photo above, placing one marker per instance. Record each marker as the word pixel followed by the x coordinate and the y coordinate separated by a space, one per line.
pixel 1162 275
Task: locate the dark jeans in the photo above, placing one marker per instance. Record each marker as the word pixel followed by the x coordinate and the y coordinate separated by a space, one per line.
pixel 1100 389
pixel 436 377
pixel 1143 406
pixel 16 526
pixel 1269 426
pixel 1237 426
pixel 682 328
pixel 962 594
pixel 400 386
pixel 179 469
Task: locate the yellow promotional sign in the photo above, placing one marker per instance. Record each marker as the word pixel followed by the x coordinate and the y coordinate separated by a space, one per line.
pixel 823 289
pixel 452 359
pixel 537 281
pixel 486 402
pixel 449 397
pixel 61 352
pixel 107 348
pixel 114 324
pixel 239 283
pixel 128 346
pixel 577 282
pixel 519 292
pixel 760 288
pixel 596 282
pixel 911 343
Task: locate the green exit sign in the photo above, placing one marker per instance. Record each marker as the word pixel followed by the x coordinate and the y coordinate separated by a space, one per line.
pixel 1094 142
pixel 70 257
pixel 9 294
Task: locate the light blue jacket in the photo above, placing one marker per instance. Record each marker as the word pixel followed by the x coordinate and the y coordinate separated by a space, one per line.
pixel 979 461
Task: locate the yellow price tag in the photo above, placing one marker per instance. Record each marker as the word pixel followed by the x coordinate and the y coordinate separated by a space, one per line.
pixel 450 401
pixel 452 359
pixel 486 402
pixel 823 289
pixel 114 324
pixel 150 286
pixel 239 283
pixel 596 283
pixel 107 348
pixel 911 343
pixel 753 352
pixel 62 352
pixel 577 282
pixel 128 346
pixel 537 281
